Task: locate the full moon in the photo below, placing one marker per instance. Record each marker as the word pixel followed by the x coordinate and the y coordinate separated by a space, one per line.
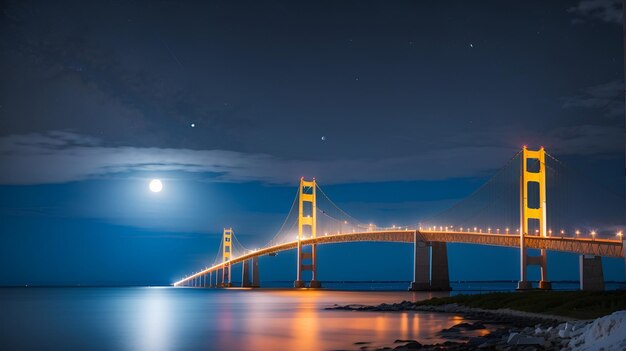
pixel 156 185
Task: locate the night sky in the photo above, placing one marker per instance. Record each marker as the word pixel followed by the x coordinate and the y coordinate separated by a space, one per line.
pixel 399 109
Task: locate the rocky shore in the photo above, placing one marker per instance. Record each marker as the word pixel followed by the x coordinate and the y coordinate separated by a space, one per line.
pixel 509 330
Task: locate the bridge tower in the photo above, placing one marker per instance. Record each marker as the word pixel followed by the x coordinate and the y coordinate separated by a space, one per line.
pixel 227 250
pixel 535 214
pixel 307 261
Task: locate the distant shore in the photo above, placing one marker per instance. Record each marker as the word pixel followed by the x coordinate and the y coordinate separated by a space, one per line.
pixel 533 320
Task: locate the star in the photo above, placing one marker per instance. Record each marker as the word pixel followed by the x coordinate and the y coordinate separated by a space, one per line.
pixel 193 125
pixel 471 45
pixel 323 138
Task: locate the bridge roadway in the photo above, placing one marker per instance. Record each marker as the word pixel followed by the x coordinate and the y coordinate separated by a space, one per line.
pixel 582 246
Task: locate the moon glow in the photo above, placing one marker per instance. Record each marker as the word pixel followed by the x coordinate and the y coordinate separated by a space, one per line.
pixel 156 185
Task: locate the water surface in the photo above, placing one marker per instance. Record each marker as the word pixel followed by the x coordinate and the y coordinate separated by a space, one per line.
pixel 143 318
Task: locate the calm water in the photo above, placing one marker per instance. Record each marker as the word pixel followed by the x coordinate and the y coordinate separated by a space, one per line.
pixel 143 318
pixel 209 319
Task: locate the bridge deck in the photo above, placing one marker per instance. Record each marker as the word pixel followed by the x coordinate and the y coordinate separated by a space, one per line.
pixel 598 247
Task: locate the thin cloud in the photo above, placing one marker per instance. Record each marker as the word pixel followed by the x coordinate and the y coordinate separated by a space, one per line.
pixel 60 157
pixel 609 11
pixel 586 140
pixel 607 98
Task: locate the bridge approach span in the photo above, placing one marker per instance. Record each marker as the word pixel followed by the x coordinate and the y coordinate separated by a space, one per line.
pixel 581 246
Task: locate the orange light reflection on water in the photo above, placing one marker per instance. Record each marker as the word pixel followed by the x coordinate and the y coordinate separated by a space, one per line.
pixel 296 319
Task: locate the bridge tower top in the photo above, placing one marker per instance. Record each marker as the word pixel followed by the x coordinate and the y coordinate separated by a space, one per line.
pixel 539 178
pixel 307 194
pixel 227 244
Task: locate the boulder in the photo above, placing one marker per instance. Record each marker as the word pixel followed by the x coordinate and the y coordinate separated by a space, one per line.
pixel 512 340
pixel 606 333
pixel 530 340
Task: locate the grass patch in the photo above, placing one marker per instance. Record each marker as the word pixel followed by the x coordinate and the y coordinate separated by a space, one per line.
pixel 575 304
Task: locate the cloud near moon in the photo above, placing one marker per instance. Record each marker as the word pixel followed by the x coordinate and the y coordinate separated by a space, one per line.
pixel 27 159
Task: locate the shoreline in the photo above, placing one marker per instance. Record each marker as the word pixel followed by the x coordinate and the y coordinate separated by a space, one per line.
pixel 500 325
pixel 504 328
pixel 405 306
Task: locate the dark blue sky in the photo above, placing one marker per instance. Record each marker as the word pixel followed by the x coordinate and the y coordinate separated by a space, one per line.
pixel 419 104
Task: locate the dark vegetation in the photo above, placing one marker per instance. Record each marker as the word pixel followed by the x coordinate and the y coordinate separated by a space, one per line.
pixel 575 304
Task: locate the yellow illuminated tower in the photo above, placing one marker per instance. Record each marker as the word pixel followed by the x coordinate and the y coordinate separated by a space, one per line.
pixel 535 214
pixel 307 218
pixel 227 250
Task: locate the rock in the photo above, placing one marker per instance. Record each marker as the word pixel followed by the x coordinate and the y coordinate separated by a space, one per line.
pixel 475 341
pixel 529 340
pixel 547 345
pixel 489 343
pixel 603 333
pixel 465 326
pixel 512 339
pixel 576 332
pixel 564 333
pixel 403 341
pixel 413 345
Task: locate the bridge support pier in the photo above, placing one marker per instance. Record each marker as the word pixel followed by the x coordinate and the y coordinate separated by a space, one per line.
pixel 430 266
pixel 421 266
pixel 314 283
pixel 245 274
pixel 439 276
pixel 312 266
pixel 255 273
pixel 210 279
pixel 541 261
pixel 226 276
pixel 591 274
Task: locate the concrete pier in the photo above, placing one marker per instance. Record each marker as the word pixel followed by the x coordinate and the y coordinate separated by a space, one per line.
pixel 421 265
pixel 439 277
pixel 591 274
pixel 229 281
pixel 430 266
pixel 245 274
pixel 256 283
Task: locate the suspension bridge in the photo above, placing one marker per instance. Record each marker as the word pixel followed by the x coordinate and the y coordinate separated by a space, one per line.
pixel 509 210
